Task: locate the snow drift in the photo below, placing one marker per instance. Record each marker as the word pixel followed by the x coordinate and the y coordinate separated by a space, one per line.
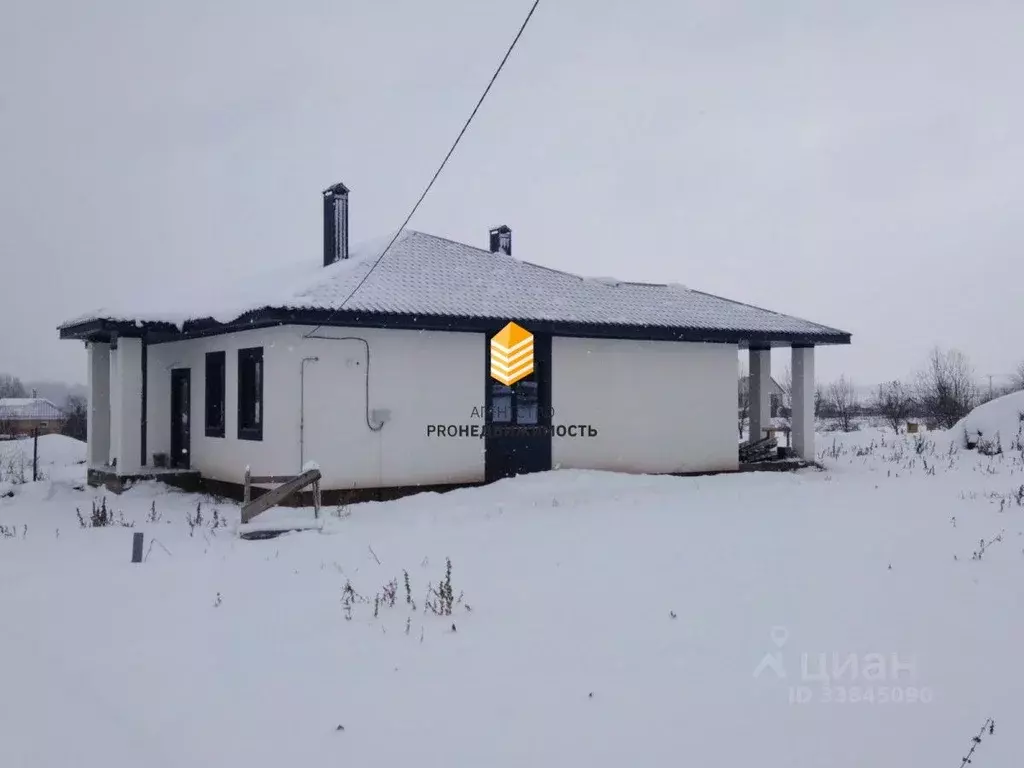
pixel 999 421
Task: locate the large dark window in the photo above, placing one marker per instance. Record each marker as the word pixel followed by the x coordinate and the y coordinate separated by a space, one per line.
pixel 215 379
pixel 250 393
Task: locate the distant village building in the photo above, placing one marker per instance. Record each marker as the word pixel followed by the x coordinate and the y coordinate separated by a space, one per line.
pixel 776 396
pixel 20 416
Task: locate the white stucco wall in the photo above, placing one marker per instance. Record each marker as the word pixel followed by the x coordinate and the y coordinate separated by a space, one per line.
pixel 658 406
pixel 421 377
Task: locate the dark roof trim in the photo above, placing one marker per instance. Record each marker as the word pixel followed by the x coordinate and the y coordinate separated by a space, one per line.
pixel 155 333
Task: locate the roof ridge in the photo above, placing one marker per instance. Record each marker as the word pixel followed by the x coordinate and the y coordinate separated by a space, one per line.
pixel 517 260
pixel 454 242
pixel 498 254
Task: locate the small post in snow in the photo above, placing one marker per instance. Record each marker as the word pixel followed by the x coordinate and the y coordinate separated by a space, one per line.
pixel 35 454
pixel 137 547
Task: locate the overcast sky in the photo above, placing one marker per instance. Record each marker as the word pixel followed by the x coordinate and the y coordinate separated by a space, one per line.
pixel 859 164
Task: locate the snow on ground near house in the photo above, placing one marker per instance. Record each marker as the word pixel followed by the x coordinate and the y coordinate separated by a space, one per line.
pixel 60 457
pixel 616 620
pixel 1003 416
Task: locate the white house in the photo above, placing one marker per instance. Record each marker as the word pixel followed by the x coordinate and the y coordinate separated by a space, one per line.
pixel 379 370
pixel 776 395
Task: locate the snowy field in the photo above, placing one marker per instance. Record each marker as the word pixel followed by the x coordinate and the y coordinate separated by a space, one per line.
pixel 845 617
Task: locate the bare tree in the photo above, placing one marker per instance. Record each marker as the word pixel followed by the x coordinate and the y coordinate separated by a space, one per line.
pixel 946 390
pixel 786 383
pixel 76 410
pixel 743 404
pixel 11 386
pixel 842 401
pixel 895 402
pixel 1017 382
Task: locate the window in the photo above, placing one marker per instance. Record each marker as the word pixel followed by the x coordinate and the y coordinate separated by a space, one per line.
pixel 519 404
pixel 527 402
pixel 215 387
pixel 250 393
pixel 501 403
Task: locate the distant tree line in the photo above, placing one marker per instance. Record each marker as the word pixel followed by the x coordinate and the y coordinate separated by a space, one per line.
pixel 76 408
pixel 941 393
pixel 11 386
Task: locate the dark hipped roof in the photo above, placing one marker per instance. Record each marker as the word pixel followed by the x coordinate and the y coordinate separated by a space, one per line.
pixel 428 281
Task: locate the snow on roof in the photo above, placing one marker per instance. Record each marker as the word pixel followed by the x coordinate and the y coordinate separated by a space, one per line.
pixel 428 275
pixel 28 408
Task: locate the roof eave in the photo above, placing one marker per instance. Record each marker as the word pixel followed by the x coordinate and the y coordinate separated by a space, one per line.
pixel 104 330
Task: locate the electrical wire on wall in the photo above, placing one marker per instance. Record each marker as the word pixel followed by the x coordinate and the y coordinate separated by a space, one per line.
pixel 369 422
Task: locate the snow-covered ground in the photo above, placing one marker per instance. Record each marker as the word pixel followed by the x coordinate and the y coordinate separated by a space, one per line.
pixel 59 458
pixel 598 620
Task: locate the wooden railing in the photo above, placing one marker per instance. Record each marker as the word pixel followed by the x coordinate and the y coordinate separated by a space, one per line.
pixel 289 485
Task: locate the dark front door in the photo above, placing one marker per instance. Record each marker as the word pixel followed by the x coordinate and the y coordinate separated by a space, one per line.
pixel 518 432
pixel 181 430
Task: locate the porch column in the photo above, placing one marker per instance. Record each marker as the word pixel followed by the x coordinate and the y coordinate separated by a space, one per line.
pixel 98 423
pixel 803 402
pixel 127 401
pixel 760 391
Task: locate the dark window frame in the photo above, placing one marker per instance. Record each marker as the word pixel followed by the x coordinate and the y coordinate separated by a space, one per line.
pixel 250 393
pixel 216 392
pixel 528 397
pixel 523 394
pixel 501 414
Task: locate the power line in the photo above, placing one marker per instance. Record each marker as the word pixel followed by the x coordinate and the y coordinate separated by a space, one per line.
pixel 440 168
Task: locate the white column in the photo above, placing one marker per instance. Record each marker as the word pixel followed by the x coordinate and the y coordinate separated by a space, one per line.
pixel 115 408
pixel 98 424
pixel 127 400
pixel 760 391
pixel 803 402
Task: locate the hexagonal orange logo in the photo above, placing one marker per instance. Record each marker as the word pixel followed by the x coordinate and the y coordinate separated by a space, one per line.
pixel 511 354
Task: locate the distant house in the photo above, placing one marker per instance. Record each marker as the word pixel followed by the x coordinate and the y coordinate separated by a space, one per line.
pixel 440 364
pixel 776 395
pixel 23 415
